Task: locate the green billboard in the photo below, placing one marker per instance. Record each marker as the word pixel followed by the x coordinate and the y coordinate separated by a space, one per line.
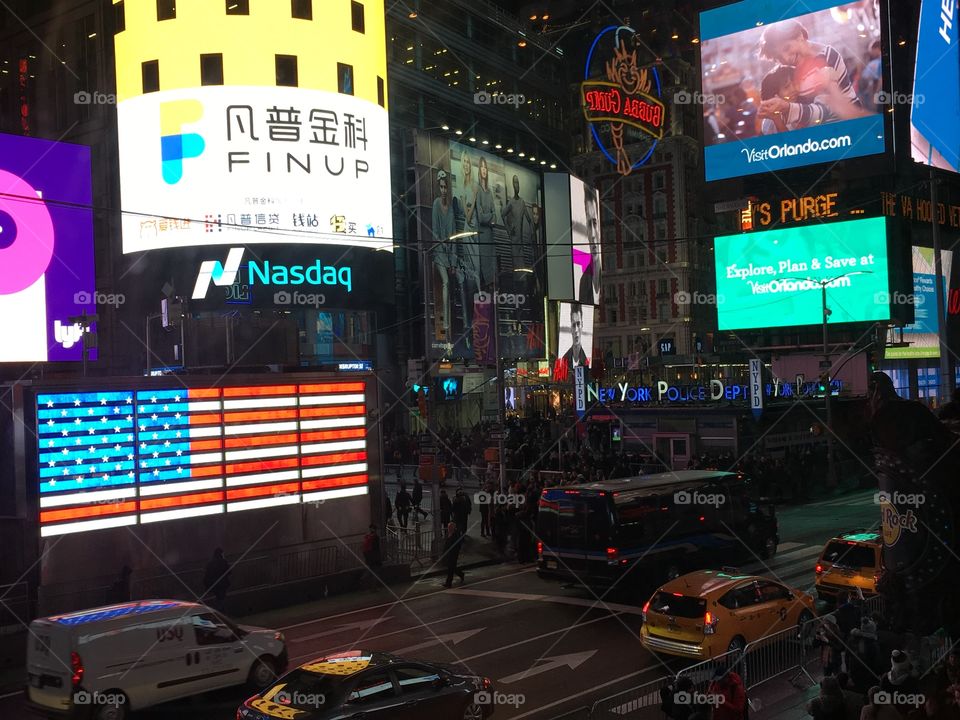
pixel 774 278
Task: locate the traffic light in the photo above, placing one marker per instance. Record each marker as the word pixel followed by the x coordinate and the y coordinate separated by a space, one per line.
pixel 823 384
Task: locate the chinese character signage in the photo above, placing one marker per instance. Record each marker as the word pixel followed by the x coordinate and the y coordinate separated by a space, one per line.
pixel 288 144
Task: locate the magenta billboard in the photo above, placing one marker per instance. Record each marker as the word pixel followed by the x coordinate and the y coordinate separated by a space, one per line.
pixel 46 249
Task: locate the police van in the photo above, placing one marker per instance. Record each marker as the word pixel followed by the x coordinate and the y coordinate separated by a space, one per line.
pixel 651 528
pixel 106 662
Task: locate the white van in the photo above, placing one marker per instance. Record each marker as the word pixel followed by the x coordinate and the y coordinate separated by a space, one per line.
pixel 105 662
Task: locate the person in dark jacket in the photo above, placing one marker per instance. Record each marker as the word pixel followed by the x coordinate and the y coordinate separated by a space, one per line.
pixel 402 504
pixel 727 683
pixel 451 554
pixel 829 704
pixel 216 578
pixel 120 590
pixel 371 548
pixel 462 508
pixel 446 508
pixel 417 499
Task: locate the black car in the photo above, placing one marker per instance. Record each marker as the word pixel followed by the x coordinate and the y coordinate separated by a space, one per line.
pixel 370 686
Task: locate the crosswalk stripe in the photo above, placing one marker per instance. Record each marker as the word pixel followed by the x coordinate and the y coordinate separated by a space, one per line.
pixel 784 546
pixel 858 499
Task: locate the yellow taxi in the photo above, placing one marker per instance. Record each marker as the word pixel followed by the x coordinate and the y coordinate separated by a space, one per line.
pixel 850 561
pixel 707 613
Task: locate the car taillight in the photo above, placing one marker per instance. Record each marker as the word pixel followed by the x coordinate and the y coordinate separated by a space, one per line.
pixel 487 683
pixel 643 612
pixel 819 569
pixel 540 549
pixel 76 668
pixel 709 623
pixel 612 553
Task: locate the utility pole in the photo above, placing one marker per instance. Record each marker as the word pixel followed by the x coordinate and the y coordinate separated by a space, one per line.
pixel 501 390
pixel 831 468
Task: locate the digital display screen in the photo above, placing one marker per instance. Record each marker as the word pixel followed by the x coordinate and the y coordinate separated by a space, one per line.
pixel 574 259
pixel 773 278
pixel 787 85
pixel 922 334
pixel 935 106
pixel 574 339
pixel 481 230
pixel 280 136
pixel 449 387
pixel 46 249
pixel 111 458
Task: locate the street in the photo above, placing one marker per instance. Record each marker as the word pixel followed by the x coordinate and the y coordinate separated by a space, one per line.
pixel 549 650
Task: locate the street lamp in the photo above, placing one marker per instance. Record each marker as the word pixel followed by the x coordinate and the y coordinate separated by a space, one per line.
pixel 826 313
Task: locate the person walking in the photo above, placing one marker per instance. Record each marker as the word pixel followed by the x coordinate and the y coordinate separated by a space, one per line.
pixel 216 578
pixel 462 507
pixel 417 499
pixel 446 508
pixel 402 505
pixel 451 554
pixel 485 503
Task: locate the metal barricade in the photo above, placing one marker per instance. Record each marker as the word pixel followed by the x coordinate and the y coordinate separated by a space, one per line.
pixel 778 654
pixel 702 673
pixel 641 702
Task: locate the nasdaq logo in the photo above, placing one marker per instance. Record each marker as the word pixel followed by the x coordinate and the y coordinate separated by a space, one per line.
pixel 222 275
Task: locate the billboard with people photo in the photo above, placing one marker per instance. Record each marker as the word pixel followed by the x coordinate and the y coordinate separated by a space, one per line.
pixel 788 85
pixel 482 233
pixel 574 339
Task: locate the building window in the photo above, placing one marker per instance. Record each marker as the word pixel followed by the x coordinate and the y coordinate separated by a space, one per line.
pixel 286 70
pixel 150 71
pixel 211 69
pixel 662 286
pixel 166 10
pixel 658 181
pixel 356 13
pixel 345 79
pixel 302 9
pixel 663 311
pixel 381 92
pixel 238 7
pixel 119 18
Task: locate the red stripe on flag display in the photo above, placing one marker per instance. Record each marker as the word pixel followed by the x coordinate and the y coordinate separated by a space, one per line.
pixel 181 500
pixel 336 411
pixel 87 511
pixel 263 490
pixel 333 434
pixel 234 392
pixel 325 388
pixel 342 481
pixel 335 458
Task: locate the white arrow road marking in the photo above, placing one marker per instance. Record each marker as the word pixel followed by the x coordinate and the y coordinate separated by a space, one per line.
pixel 573 661
pixel 451 638
pixel 347 627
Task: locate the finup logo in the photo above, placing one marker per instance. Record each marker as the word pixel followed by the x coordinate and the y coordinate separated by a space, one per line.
pixel 221 275
pixel 175 145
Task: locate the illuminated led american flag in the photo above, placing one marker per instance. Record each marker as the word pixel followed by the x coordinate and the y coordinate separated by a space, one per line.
pixel 86 461
pixel 180 453
pixel 115 458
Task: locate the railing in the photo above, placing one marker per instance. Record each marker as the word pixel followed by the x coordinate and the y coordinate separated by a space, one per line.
pixel 270 569
pixel 642 701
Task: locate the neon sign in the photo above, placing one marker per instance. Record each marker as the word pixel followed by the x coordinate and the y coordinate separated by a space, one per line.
pixel 628 96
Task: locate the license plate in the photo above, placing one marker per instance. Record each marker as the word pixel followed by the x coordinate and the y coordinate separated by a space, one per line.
pixel 551 564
